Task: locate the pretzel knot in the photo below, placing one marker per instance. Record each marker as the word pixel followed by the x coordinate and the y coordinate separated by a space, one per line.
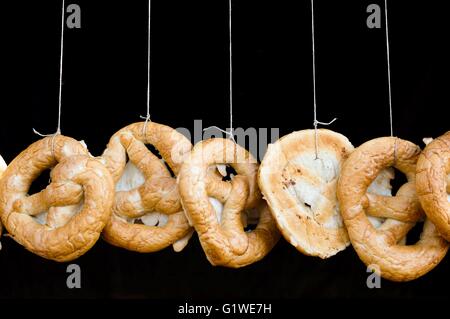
pixel 433 183
pixel 384 246
pixel 64 220
pixel 222 233
pixel 146 191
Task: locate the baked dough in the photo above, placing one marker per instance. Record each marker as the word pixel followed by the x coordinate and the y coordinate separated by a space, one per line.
pixel 64 220
pixel 146 192
pixel 214 206
pixel 301 190
pixel 433 183
pixel 383 246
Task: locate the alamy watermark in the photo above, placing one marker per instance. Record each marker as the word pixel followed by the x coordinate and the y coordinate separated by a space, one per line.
pixel 255 140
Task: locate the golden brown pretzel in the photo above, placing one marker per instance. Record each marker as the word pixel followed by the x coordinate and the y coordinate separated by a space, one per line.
pixel 381 246
pixel 433 183
pixel 225 243
pixel 145 189
pixel 77 203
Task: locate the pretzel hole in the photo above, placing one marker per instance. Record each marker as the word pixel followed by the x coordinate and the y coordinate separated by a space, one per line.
pixel 398 181
pixel 152 219
pixel 249 219
pixel 40 183
pixel 155 152
pixel 413 235
pixel 132 178
pixel 227 172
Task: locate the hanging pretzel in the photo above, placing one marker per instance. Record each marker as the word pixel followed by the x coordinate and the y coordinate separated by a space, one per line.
pixel 301 190
pixel 433 183
pixel 146 191
pixel 65 219
pixel 382 246
pixel 225 241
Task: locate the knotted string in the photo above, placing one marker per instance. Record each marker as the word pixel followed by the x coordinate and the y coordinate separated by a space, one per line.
pixel 58 129
pixel 316 122
pixel 147 117
pixel 389 79
pixel 230 132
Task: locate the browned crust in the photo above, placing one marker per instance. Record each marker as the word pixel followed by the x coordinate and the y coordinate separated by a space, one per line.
pixel 159 192
pixel 75 176
pixel 226 244
pixel 380 246
pixel 432 183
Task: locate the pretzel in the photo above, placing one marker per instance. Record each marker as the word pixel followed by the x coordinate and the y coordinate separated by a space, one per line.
pixel 301 190
pixel 145 189
pixel 382 246
pixel 222 233
pixel 64 220
pixel 433 183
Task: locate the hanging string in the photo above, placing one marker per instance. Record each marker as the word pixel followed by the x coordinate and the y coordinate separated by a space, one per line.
pixel 389 79
pixel 388 66
pixel 58 129
pixel 230 133
pixel 147 117
pixel 316 122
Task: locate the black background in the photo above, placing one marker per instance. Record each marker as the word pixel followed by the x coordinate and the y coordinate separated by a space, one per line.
pixel 105 76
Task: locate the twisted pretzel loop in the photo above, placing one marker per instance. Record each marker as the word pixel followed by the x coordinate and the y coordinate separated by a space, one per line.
pixel 433 183
pixel 151 194
pixel 225 242
pixel 382 246
pixel 72 210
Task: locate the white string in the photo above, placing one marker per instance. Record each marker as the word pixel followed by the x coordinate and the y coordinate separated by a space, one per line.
pixel 231 69
pixel 389 79
pixel 147 117
pixel 230 132
pixel 316 122
pixel 388 66
pixel 58 129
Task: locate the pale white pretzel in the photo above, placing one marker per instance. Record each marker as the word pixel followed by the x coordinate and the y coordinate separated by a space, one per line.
pixel 383 246
pixel 433 182
pixel 64 220
pixel 145 189
pixel 222 233
pixel 300 189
